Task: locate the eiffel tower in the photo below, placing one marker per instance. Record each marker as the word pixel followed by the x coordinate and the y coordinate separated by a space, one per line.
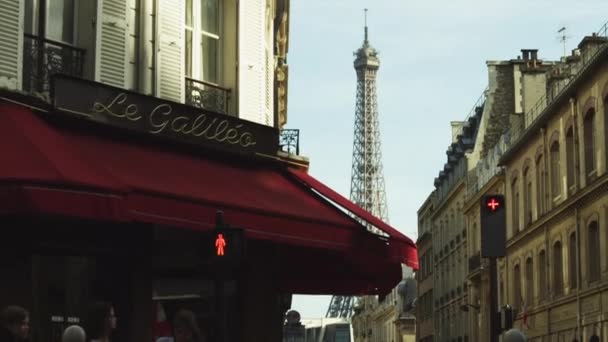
pixel 367 187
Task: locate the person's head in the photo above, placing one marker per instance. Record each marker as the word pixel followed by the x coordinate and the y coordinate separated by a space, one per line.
pixel 74 333
pixel 514 335
pixel 101 320
pixel 16 320
pixel 185 327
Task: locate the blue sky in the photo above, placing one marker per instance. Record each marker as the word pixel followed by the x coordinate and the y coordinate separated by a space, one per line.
pixel 432 71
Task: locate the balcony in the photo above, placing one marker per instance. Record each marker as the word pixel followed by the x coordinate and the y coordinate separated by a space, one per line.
pixel 565 79
pixel 474 263
pixel 205 95
pixel 43 58
pixel 289 141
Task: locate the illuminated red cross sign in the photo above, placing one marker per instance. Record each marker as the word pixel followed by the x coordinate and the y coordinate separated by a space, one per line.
pixel 493 204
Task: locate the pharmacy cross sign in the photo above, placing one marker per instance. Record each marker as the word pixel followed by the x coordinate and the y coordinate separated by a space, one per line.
pixel 493 204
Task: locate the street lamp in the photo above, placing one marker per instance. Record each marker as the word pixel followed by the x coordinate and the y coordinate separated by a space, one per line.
pixel 465 307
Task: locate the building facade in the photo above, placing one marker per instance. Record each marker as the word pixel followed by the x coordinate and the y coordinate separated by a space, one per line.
pixel 391 318
pixel 449 235
pixel 219 55
pixel 557 265
pixel 424 276
pixel 124 125
pixel 514 86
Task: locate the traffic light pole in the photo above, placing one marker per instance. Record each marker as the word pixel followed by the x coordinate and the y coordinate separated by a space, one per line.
pixel 220 301
pixel 494 315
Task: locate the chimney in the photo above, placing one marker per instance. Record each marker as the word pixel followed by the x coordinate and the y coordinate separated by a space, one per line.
pixel 456 129
pixel 530 56
pixel 534 54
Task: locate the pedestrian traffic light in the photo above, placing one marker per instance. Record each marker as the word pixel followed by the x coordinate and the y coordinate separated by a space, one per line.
pixel 226 245
pixel 493 226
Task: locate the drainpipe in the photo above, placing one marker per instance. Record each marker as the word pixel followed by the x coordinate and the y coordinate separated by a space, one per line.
pixel 147 15
pixel 545 172
pixel 546 207
pixel 579 276
pixel 576 220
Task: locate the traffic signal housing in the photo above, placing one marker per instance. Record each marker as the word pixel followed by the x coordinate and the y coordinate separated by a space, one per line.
pixel 493 226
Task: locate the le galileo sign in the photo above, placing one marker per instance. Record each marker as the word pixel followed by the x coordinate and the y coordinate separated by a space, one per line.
pixel 146 114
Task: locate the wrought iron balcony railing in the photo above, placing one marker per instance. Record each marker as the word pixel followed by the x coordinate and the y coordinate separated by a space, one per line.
pixel 42 58
pixel 201 94
pixel 567 75
pixel 474 263
pixel 289 141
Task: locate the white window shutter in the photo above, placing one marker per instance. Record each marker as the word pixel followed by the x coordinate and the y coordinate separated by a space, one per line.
pixel 170 75
pixel 252 61
pixel 11 43
pixel 111 58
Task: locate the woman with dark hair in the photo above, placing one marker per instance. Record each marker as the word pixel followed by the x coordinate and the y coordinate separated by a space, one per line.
pixel 14 324
pixel 185 327
pixel 101 322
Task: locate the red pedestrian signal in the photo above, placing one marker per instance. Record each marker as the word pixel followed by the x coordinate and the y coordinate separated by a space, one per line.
pixel 493 203
pixel 220 244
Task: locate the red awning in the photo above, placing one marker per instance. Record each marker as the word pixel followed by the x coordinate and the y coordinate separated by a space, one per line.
pixel 405 248
pixel 53 169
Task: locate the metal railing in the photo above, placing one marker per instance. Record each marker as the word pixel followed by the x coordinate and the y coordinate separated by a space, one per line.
pixel 289 141
pixel 474 263
pixel 201 94
pixel 479 103
pixel 42 58
pixel 563 75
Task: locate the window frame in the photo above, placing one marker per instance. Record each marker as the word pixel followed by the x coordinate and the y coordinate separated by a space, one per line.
pixel 572 260
pixel 40 21
pixel 529 270
pixel 517 284
pixel 589 142
pixel 570 158
pixel 593 251
pixel 542 275
pixel 540 185
pixel 195 69
pixel 527 183
pixel 556 174
pixel 558 268
pixel 515 205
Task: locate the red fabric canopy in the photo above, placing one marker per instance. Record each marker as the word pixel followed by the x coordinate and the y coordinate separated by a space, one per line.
pixel 51 169
pixel 405 249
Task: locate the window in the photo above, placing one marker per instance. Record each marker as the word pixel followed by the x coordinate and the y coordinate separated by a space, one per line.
pixel 570 152
pixel 527 197
pixel 589 141
pixel 540 184
pixel 529 282
pixel 572 264
pixel 542 275
pixel 502 290
pixel 203 38
pixel 558 269
pixel 555 171
pixel 58 16
pixel 515 206
pixel 517 284
pixel 593 251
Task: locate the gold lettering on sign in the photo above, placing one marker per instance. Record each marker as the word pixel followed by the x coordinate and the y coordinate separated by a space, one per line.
pixel 129 111
pixel 162 119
